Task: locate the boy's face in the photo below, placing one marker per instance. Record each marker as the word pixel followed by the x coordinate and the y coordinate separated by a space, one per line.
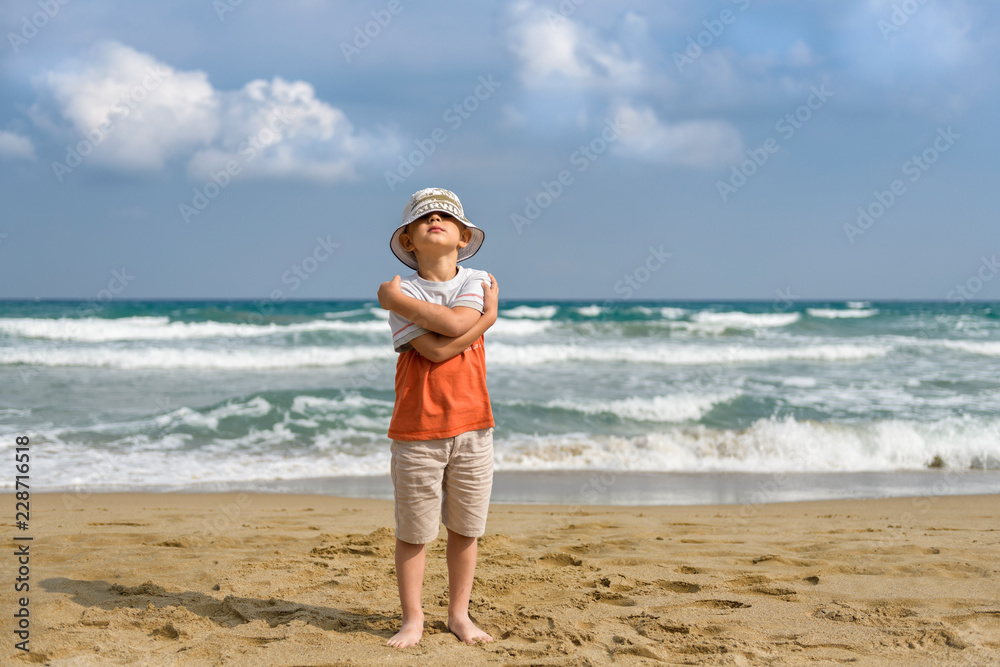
pixel 435 230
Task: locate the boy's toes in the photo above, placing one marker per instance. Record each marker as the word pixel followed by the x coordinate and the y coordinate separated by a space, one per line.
pixel 466 630
pixel 409 636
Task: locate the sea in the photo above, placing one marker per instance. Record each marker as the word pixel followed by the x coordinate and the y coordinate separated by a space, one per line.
pixel 596 402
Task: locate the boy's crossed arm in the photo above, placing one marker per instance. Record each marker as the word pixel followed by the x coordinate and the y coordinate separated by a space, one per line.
pixel 434 317
pixel 437 348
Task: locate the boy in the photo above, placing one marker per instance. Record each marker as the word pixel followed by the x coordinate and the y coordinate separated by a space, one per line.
pixel 442 422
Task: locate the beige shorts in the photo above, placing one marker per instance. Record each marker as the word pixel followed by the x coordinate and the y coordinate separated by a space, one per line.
pixel 447 480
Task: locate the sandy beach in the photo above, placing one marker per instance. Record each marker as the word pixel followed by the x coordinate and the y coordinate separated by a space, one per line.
pixel 272 579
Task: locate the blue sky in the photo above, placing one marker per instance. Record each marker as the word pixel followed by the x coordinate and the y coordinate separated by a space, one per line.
pixel 729 149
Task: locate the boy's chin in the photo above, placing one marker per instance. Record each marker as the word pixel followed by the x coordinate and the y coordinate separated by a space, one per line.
pixel 437 251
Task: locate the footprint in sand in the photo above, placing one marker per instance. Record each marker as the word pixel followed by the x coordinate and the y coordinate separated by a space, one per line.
pixel 678 586
pixel 758 583
pixel 613 598
pixel 720 604
pixel 559 559
pixel 653 628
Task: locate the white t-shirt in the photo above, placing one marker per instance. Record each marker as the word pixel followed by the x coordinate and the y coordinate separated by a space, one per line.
pixel 465 289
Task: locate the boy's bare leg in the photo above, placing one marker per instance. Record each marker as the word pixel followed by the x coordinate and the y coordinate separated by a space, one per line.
pixel 462 553
pixel 410 559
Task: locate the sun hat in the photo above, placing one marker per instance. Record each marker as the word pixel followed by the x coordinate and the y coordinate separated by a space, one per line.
pixel 427 201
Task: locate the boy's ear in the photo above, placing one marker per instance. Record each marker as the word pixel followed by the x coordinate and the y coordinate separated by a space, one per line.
pixel 465 237
pixel 404 240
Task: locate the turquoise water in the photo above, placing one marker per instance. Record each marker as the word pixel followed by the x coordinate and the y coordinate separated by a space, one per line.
pixel 173 393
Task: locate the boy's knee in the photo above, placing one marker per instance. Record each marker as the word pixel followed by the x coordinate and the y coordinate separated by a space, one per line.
pixel 406 544
pixel 459 537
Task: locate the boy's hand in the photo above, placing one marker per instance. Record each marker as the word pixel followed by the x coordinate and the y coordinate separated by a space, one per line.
pixel 388 291
pixel 491 298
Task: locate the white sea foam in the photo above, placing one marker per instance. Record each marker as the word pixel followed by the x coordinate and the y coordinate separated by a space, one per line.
pixel 834 313
pixel 306 404
pixel 590 311
pixel 987 348
pixel 197 358
pixel 532 312
pixel 741 320
pixel 102 330
pixel 672 408
pixel 769 445
pixel 276 455
pixel 528 355
pixel 670 313
pixel 497 352
pixel 256 407
pixel 96 329
pixel 505 327
pixel 336 315
pixel 858 304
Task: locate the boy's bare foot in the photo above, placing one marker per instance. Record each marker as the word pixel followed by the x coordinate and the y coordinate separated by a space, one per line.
pixel 465 629
pixel 409 635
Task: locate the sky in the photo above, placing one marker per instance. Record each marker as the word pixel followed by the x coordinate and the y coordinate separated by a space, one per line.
pixel 692 149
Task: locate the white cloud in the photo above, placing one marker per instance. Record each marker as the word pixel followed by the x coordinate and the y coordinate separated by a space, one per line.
pixel 511 117
pixel 15 146
pixel 932 59
pixel 559 58
pixel 556 50
pixel 704 144
pixel 137 111
pixel 280 129
pixel 801 55
pixel 140 113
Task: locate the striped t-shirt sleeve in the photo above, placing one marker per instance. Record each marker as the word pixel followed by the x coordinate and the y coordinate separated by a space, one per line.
pixel 471 293
pixel 403 330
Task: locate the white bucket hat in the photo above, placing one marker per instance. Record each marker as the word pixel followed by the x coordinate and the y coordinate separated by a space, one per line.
pixel 427 201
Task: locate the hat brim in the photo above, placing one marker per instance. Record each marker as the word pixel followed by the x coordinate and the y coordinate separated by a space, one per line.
pixel 407 257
